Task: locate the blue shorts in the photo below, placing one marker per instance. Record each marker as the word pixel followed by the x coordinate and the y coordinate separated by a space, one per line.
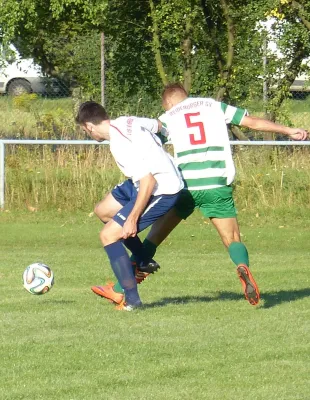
pixel 126 195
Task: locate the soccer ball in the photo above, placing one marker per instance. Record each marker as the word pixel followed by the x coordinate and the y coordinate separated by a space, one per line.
pixel 38 278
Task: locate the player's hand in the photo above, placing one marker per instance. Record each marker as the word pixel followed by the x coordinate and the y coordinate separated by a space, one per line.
pixel 298 134
pixel 129 228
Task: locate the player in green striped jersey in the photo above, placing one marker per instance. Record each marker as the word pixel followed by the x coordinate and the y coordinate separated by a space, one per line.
pixel 197 128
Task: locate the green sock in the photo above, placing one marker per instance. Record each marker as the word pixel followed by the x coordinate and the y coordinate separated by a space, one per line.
pixel 117 288
pixel 150 250
pixel 238 253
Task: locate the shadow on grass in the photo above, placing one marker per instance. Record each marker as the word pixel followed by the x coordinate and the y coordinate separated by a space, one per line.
pixel 269 300
pixel 272 299
pixel 194 299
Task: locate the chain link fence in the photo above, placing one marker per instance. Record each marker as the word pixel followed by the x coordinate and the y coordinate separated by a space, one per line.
pixel 46 109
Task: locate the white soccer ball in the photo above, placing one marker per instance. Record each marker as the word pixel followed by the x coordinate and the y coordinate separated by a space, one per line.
pixel 38 278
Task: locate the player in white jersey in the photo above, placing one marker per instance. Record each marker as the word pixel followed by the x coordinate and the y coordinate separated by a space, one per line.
pixel 151 191
pixel 197 129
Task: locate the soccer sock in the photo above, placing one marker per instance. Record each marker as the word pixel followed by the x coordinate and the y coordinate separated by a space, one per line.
pixel 149 249
pixel 137 249
pixel 122 269
pixel 238 253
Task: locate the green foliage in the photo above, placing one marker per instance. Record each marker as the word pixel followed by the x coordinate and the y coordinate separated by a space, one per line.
pixel 215 48
pixel 24 101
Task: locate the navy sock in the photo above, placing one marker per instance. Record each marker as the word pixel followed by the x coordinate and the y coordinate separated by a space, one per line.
pixel 122 269
pixel 137 249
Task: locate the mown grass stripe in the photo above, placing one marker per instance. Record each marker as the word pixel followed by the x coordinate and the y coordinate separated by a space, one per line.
pixel 194 166
pixel 203 150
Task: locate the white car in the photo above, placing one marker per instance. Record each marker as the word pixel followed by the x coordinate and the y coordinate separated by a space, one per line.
pixel 19 76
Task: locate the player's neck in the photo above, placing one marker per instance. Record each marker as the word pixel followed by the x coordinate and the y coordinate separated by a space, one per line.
pixel 175 100
pixel 105 129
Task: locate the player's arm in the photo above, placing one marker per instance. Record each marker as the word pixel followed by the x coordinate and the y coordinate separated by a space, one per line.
pixel 155 126
pixel 146 187
pixel 261 124
pixel 152 125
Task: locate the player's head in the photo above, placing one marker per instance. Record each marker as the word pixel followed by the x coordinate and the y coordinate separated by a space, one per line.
pixel 90 116
pixel 173 94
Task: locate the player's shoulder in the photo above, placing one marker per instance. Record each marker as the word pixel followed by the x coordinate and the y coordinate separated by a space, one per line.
pixel 123 118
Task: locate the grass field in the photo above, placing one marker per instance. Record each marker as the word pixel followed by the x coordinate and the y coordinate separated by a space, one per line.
pixel 197 338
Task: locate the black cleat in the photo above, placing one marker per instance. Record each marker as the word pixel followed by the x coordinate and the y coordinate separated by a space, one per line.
pixel 149 267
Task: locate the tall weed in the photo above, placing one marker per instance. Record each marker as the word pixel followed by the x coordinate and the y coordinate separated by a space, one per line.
pixel 76 177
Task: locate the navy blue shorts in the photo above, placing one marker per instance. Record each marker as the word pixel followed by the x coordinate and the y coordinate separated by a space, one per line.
pixel 126 195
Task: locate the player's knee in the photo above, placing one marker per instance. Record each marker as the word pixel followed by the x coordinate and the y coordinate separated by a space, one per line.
pixel 109 235
pixel 104 236
pixel 100 213
pixel 228 240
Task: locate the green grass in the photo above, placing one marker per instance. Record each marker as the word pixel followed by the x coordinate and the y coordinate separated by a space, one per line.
pixel 197 337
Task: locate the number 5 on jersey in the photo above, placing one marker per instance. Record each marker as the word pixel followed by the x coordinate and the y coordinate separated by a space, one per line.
pixel 199 137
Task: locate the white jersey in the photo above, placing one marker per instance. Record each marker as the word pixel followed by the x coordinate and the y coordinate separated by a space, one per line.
pixel 138 152
pixel 197 129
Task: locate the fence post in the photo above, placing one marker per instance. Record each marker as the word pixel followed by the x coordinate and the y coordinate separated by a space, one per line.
pixel 2 174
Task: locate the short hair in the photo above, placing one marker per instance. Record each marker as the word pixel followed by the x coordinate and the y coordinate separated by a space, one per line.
pixel 90 111
pixel 172 89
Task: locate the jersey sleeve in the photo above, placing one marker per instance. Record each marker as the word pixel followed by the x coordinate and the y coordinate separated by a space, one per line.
pixel 163 134
pixel 233 115
pixel 143 141
pixel 148 123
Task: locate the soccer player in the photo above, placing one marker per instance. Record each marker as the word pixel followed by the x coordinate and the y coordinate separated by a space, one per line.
pixel 197 128
pixel 152 190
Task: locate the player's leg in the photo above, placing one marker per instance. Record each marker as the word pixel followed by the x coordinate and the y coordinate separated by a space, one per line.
pixel 107 208
pixel 110 237
pixel 228 230
pixel 218 205
pixel 158 233
pixel 157 207
pixel 161 229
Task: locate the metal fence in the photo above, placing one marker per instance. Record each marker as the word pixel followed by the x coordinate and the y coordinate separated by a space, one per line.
pixel 3 143
pixel 34 116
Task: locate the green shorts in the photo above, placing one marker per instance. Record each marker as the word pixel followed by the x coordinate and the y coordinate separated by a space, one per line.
pixel 217 203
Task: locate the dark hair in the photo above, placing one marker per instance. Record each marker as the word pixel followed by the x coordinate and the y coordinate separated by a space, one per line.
pixel 90 111
pixel 173 88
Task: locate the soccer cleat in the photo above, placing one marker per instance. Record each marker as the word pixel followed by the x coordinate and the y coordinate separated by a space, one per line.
pixel 250 288
pixel 123 306
pixel 140 276
pixel 108 292
pixel 149 267
pixel 144 270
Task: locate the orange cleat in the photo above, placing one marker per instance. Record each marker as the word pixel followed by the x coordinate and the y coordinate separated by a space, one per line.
pixel 108 292
pixel 250 288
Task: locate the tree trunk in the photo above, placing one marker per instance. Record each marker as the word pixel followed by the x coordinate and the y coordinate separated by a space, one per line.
pixel 156 46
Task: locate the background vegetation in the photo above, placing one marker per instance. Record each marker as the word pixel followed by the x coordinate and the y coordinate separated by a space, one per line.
pixel 76 177
pixel 216 49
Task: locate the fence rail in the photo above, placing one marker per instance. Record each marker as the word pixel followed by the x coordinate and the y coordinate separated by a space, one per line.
pixel 4 142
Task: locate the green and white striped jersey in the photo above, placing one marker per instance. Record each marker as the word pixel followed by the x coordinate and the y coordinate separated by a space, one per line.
pixel 197 129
